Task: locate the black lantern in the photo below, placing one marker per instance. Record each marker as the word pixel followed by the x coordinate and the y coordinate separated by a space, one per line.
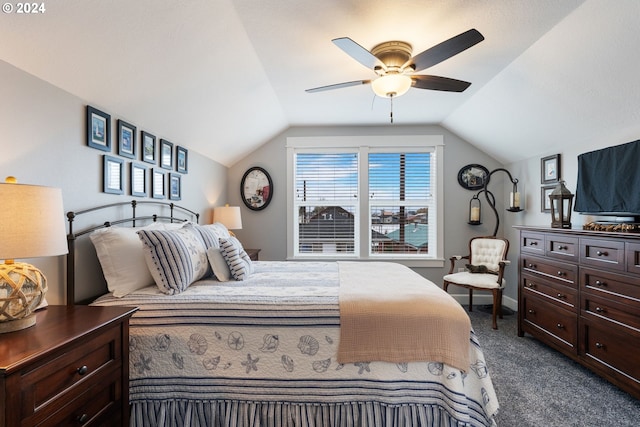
pixel 561 203
pixel 475 210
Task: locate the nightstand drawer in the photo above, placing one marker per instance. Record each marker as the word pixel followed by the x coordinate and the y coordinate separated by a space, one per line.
pixel 72 373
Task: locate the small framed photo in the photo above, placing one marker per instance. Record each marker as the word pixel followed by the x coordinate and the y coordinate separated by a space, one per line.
pixel 138 180
pixel 148 145
pixel 550 169
pixel 182 156
pixel 175 186
pixel 98 129
pixel 157 184
pixel 126 139
pixel 113 175
pixel 166 154
pixel 545 202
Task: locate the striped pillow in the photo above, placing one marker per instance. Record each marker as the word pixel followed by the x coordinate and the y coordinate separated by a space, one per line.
pixel 175 258
pixel 237 259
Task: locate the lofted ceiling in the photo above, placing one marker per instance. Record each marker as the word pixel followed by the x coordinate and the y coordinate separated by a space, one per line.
pixel 222 77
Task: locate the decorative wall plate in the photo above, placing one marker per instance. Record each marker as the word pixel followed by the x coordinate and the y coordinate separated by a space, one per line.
pixel 256 188
pixel 473 176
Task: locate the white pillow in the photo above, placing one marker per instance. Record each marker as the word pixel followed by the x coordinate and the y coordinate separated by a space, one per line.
pixel 236 257
pixel 175 258
pixel 218 264
pixel 121 256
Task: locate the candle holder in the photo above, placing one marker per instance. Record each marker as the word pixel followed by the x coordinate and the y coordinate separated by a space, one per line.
pixel 475 210
pixel 514 196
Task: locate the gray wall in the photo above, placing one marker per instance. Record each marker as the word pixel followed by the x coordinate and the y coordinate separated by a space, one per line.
pixel 42 136
pixel 266 229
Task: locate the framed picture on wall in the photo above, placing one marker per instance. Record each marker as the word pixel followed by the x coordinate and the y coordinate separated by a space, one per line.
pixel 157 184
pixel 181 159
pixel 112 175
pixel 550 169
pixel 148 147
pixel 98 129
pixel 166 154
pixel 545 202
pixel 175 186
pixel 138 180
pixel 126 139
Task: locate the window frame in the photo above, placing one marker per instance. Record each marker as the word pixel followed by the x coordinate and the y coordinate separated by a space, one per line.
pixel 364 145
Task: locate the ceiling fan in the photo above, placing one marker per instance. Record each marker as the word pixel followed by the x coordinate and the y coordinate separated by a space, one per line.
pixel 395 67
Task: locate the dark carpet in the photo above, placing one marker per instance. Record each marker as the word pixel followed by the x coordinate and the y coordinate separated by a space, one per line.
pixel 539 387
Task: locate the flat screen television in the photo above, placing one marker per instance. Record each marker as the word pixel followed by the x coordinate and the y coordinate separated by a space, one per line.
pixel 609 183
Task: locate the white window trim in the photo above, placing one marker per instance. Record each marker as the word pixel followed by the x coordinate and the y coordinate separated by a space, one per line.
pixel 394 143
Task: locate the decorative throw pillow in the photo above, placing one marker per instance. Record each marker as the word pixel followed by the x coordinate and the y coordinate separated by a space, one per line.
pixel 175 258
pixel 218 264
pixel 477 268
pixel 210 235
pixel 121 256
pixel 236 257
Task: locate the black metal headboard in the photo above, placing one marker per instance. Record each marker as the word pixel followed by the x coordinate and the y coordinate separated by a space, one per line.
pixel 167 212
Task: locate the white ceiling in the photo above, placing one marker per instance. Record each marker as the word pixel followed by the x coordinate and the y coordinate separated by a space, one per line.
pixel 222 77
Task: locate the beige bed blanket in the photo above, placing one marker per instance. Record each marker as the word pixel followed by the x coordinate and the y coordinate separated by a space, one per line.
pixel 390 313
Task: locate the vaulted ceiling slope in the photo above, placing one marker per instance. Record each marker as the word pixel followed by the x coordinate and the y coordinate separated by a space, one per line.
pixel 224 76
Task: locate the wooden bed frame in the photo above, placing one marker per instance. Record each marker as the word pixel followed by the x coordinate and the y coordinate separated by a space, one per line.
pixel 159 212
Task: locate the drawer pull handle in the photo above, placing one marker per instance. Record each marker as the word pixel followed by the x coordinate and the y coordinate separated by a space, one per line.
pixel 534 243
pixel 600 253
pixel 562 248
pixel 532 266
pixel 561 273
pixel 560 326
pixel 531 285
pixel 599 345
pixel 82 418
pixel 600 283
pixel 599 310
pixel 532 311
pixel 82 370
pixel 561 296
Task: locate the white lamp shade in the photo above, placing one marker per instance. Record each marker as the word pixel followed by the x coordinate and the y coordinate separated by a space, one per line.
pixel 229 216
pixel 31 222
pixel 391 85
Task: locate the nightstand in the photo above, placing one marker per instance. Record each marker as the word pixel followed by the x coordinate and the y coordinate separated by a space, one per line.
pixel 71 368
pixel 253 254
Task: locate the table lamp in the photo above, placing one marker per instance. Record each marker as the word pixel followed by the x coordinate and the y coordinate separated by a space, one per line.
pixel 31 225
pixel 229 216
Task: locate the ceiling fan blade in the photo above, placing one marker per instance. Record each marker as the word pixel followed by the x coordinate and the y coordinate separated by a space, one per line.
pixel 338 86
pixel 445 50
pixel 439 83
pixel 358 53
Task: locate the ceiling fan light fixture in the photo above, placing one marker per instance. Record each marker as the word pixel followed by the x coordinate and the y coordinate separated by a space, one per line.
pixel 391 85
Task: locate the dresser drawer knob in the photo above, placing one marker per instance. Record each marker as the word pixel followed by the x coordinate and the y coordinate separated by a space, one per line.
pixel 532 311
pixel 560 326
pixel 600 283
pixel 562 248
pixel 599 310
pixel 83 418
pixel 599 345
pixel 531 285
pixel 601 253
pixel 561 296
pixel 532 266
pixel 561 273
pixel 82 370
pixel 533 243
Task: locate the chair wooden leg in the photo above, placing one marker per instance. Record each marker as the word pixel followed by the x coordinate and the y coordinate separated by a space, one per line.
pixel 470 299
pixel 445 286
pixel 500 300
pixel 496 307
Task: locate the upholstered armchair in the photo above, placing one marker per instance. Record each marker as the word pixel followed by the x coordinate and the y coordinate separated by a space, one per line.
pixel 484 270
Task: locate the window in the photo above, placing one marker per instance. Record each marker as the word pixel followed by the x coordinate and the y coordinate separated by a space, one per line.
pixel 398 217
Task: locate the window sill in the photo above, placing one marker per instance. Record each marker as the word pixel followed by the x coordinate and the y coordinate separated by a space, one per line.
pixel 422 263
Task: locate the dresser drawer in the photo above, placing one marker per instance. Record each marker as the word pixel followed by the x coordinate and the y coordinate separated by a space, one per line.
pixel 599 253
pixel 558 326
pixel 562 247
pixel 632 254
pixel 619 288
pixel 564 273
pixel 71 373
pixel 611 350
pixel 532 242
pixel 597 308
pixel 559 294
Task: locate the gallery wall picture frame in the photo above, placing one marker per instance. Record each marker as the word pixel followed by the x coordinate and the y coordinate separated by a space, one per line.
pixel 550 169
pixel 127 139
pixel 545 202
pixel 98 129
pixel 138 176
pixel 112 174
pixel 148 147
pixel 182 159
pixel 166 154
pixel 175 186
pixel 158 186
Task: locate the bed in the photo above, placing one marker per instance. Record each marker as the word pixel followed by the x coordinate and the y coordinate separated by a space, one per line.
pixel 274 348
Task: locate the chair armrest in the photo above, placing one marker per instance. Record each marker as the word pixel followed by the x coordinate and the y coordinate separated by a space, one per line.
pixel 453 260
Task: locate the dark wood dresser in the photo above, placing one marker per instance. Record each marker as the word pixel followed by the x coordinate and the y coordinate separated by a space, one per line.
pixel 579 292
pixel 71 368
